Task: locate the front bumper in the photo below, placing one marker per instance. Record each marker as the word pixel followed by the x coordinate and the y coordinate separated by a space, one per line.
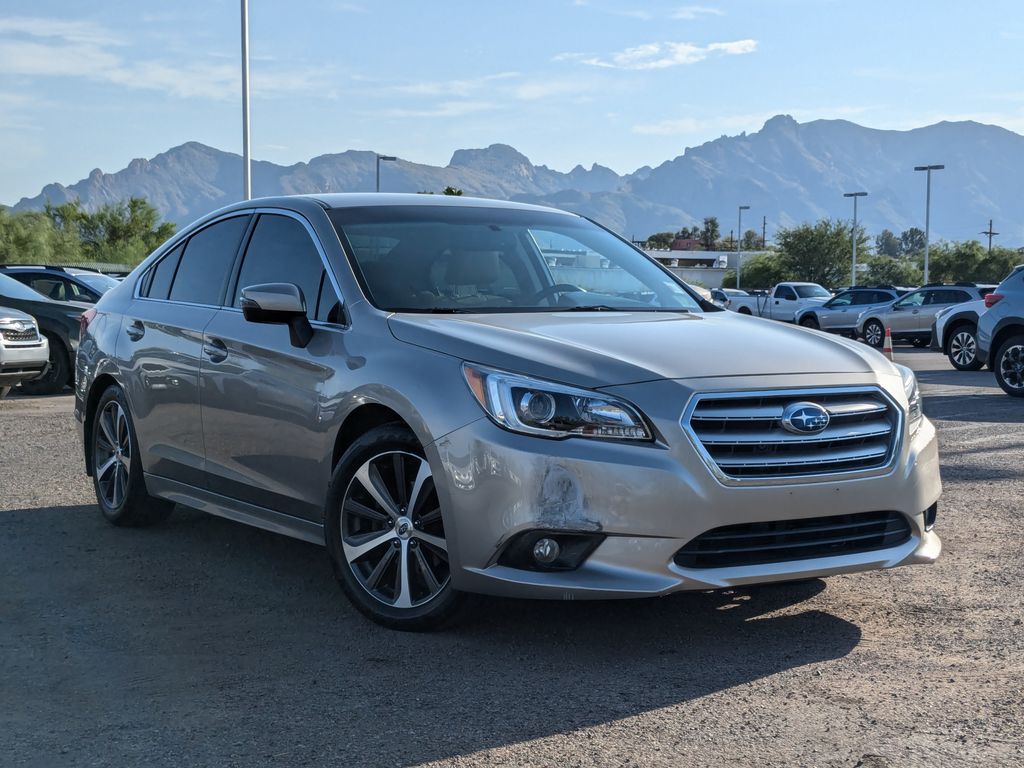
pixel 20 363
pixel 934 343
pixel 649 501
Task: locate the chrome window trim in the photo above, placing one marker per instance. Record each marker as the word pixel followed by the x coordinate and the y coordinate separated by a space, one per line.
pixel 827 477
pixel 187 234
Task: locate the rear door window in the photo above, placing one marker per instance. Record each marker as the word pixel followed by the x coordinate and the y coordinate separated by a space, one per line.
pixel 157 283
pixel 207 261
pixel 282 251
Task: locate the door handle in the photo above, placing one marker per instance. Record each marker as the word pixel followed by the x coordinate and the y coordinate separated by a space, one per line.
pixel 135 330
pixel 215 350
pixel 776 301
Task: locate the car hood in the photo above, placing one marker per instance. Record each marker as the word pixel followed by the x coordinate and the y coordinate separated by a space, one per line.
pixel 8 313
pixel 596 349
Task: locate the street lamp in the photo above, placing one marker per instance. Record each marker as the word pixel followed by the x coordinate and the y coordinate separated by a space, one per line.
pixel 379 158
pixel 853 271
pixel 246 159
pixel 927 210
pixel 739 241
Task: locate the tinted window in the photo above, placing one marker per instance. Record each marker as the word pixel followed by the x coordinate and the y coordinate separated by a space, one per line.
pixel 915 299
pixel 785 292
pixel 880 297
pixel 961 296
pixel 281 251
pixel 812 292
pixel 843 300
pixel 207 261
pixel 158 280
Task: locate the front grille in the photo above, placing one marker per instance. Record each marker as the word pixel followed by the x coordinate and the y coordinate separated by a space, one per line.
pixel 742 434
pixel 785 540
pixel 20 336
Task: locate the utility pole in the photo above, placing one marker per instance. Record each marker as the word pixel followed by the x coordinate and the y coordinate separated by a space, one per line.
pixel 927 210
pixel 246 157
pixel 990 234
pixel 739 254
pixel 853 269
pixel 764 231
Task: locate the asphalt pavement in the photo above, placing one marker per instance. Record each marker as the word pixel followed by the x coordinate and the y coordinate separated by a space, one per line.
pixel 202 642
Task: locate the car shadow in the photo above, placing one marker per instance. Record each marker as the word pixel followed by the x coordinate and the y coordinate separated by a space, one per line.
pixel 211 642
pixel 996 408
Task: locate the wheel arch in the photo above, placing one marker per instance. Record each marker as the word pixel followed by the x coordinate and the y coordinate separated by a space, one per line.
pixel 952 324
pixel 1003 332
pixel 361 420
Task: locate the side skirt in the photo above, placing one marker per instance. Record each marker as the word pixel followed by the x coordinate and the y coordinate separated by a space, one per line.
pixel 232 509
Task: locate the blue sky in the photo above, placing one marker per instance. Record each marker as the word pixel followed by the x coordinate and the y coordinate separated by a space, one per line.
pixel 623 84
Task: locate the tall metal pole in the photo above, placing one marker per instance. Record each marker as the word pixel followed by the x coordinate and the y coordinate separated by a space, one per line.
pixel 990 234
pixel 739 241
pixel 853 268
pixel 379 158
pixel 927 210
pixel 246 157
pixel 764 230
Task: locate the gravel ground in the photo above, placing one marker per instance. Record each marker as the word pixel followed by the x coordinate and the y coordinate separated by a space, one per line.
pixel 203 642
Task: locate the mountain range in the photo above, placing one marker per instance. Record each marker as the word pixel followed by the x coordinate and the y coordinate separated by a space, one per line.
pixel 788 172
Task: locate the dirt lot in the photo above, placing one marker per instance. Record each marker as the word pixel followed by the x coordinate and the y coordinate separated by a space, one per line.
pixel 203 642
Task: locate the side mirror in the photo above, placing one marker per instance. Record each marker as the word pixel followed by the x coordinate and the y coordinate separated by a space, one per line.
pixel 278 304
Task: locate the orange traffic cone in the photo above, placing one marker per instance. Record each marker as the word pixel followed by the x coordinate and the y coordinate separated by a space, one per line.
pixel 887 346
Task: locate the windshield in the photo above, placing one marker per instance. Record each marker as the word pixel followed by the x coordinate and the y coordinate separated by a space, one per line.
pixel 99 283
pixel 811 292
pixel 12 289
pixel 459 259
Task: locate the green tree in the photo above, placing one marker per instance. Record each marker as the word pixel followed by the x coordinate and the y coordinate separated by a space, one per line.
pixel 820 252
pixel 120 233
pixel 887 244
pixel 689 233
pixel 885 270
pixel 969 261
pixel 761 271
pixel 751 240
pixel 912 241
pixel 660 240
pixel 454 191
pixel 709 233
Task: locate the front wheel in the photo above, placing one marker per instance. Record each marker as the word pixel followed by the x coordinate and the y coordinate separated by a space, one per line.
pixel 1009 367
pixel 386 534
pixel 962 349
pixel 874 334
pixel 116 470
pixel 55 377
pixel 744 311
pixel 810 321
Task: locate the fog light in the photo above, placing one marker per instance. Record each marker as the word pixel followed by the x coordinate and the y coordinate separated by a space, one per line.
pixel 546 551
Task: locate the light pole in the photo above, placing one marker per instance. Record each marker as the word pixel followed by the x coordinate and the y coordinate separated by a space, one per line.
pixel 853 271
pixel 739 241
pixel 246 159
pixel 927 210
pixel 379 158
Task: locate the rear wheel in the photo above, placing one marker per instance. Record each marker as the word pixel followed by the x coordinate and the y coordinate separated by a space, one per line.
pixel 385 533
pixel 116 471
pixel 874 334
pixel 55 377
pixel 1009 367
pixel 744 311
pixel 962 348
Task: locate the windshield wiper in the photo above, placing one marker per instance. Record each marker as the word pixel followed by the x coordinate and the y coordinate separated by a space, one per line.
pixel 606 308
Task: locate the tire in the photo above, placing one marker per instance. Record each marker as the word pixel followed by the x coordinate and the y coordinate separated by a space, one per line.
pixel 4 391
pixel 117 472
pixel 962 348
pixel 874 334
pixel 744 311
pixel 55 378
pixel 810 321
pixel 381 474
pixel 1009 366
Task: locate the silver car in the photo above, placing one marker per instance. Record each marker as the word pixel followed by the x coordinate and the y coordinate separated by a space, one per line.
pixel 910 317
pixel 465 396
pixel 840 313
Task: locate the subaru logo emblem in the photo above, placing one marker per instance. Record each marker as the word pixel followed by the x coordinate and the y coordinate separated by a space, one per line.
pixel 804 418
pixel 18 326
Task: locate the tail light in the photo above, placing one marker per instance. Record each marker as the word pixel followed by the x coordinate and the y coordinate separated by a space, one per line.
pixel 84 320
pixel 992 299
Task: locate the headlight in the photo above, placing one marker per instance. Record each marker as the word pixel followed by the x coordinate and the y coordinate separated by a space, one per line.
pixel 913 393
pixel 943 311
pixel 537 407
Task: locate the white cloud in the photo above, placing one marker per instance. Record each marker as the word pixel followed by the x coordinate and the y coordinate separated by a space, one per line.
pixel 661 55
pixel 36 47
pixel 443 109
pixel 452 87
pixel 692 12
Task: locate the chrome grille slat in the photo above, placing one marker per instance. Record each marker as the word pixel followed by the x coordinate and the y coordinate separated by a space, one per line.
pixel 742 437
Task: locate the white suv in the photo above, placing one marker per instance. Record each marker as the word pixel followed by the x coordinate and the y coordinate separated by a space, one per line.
pixel 24 352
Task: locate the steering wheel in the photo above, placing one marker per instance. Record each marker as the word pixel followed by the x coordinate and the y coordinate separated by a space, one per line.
pixel 551 290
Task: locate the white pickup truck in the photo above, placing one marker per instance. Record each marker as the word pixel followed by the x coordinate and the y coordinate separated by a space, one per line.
pixel 783 302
